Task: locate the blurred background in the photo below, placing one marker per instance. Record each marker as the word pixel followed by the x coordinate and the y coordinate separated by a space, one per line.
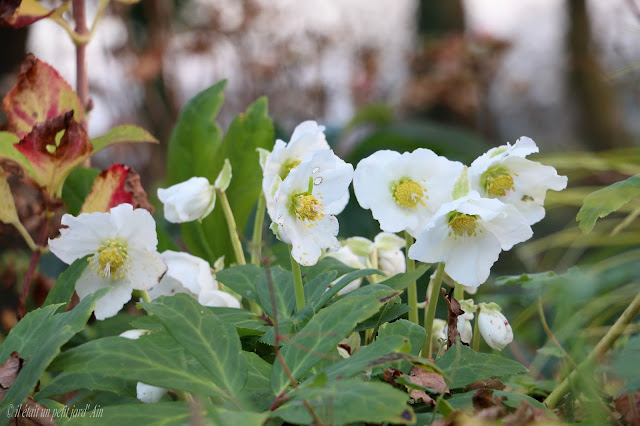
pixel 456 76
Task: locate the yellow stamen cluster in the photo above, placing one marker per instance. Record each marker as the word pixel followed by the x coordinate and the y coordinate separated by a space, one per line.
pixel 499 185
pixel 112 260
pixel 463 225
pixel 307 207
pixel 408 194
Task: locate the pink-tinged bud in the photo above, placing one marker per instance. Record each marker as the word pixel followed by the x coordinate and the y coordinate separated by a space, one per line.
pixel 495 328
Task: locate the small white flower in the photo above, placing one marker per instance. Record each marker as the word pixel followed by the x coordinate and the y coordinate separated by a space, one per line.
pixel 146 393
pixel 122 248
pixel 464 321
pixel 307 138
pixel 191 275
pixel 403 191
pixel 468 234
pixel 439 332
pixel 493 326
pixel 504 173
pixel 391 259
pixel 305 205
pixel 188 201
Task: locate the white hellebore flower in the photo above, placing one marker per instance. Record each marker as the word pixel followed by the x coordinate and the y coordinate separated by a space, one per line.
pixel 307 138
pixel 191 275
pixel 464 321
pixel 146 393
pixel 504 173
pixel 122 248
pixel 188 201
pixel 468 235
pixel 391 259
pixel 493 326
pixel 403 191
pixel 305 205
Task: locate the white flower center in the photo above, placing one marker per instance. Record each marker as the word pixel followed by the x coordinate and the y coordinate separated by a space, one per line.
pixel 463 225
pixel 409 193
pixel 111 261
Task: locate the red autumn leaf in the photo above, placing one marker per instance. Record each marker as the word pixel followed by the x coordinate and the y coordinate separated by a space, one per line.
pixel 116 185
pixel 39 95
pixel 54 148
pixel 18 14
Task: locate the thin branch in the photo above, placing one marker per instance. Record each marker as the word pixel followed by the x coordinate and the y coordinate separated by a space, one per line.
pixel 33 264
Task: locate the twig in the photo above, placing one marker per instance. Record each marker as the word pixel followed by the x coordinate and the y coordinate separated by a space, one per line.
pixel 35 257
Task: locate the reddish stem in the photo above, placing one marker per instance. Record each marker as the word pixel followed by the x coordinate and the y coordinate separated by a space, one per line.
pixel 82 79
pixel 35 258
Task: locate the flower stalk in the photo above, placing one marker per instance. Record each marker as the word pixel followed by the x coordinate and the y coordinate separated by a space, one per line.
pixel 430 311
pixel 256 240
pixel 297 282
pixel 412 290
pixel 233 229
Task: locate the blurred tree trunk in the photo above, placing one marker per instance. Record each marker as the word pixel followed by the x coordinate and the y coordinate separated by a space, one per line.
pixel 598 113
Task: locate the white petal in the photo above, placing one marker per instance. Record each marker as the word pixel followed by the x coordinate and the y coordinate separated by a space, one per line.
pixel 353 285
pixel 134 334
pixel 136 227
pixel 307 243
pixel 146 269
pixel 218 298
pixel 167 286
pixel 388 242
pixel 510 228
pixel 346 256
pixel 392 263
pixel 336 207
pixel 432 243
pixel 495 329
pixel 149 394
pixel 523 147
pixel 83 236
pixel 470 262
pixel 193 272
pixel 187 201
pixel 112 302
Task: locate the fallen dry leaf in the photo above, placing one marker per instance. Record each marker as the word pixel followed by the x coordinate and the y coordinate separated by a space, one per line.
pixel 9 370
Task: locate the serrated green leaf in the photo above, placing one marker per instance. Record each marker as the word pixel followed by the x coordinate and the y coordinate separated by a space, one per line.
pixel 323 332
pixel 122 134
pixel 402 327
pixel 464 366
pixel 381 352
pixel 342 283
pixel 67 382
pixel 389 312
pixel 325 264
pixel 65 285
pixel 210 340
pixel 601 203
pixel 242 279
pixel 282 281
pixel 38 338
pixel 247 323
pixel 348 401
pixel 76 188
pixel 156 359
pixel 158 414
pixel 315 288
pixel 402 281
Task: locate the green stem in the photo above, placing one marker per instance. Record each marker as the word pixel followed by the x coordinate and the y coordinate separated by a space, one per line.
pixel 256 240
pixel 27 237
pixel 297 283
pixel 476 332
pixel 373 259
pixel 412 290
pixel 600 349
pixel 458 292
pixel 145 296
pixel 233 229
pixel 430 311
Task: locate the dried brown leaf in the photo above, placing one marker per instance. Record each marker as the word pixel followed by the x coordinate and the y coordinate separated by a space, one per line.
pixel 9 370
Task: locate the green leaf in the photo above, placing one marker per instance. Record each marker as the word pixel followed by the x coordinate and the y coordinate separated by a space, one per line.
pixel 543 278
pixel 512 399
pixel 156 359
pixel 315 288
pixel 348 401
pixel 464 366
pixel 282 281
pixel 342 283
pixel 600 203
pixel 389 312
pixel 402 281
pixel 122 134
pixel 210 340
pixel 65 285
pixel 37 338
pixel 194 150
pixel 224 177
pixel 242 279
pixel 76 188
pixel 325 264
pixel 414 332
pixel 323 332
pixel 8 150
pixel 223 417
pixel 289 326
pixel 67 382
pixel 247 323
pixel 381 352
pixel 257 392
pixel 158 414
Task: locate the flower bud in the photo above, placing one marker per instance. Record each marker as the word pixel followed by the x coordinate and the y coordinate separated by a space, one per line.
pixel 494 327
pixel 188 201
